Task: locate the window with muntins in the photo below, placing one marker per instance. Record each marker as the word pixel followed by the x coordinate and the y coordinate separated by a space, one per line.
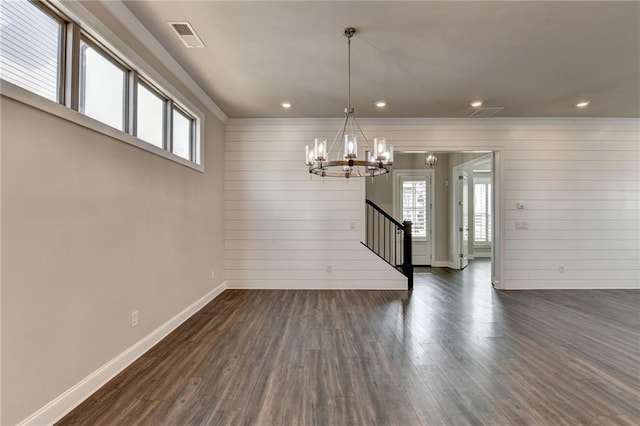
pixel 93 79
pixel 414 206
pixel 482 210
pixel 30 48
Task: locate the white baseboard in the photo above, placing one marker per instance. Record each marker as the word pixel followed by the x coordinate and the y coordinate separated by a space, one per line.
pixel 482 255
pixel 63 404
pixel 443 264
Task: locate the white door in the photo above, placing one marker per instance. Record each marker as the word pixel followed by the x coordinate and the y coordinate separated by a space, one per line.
pixel 462 191
pixel 413 202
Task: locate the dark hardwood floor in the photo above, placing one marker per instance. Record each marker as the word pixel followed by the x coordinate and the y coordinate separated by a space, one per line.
pixel 454 351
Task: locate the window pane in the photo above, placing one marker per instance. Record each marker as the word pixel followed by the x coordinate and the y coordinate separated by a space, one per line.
pixel 102 85
pixel 181 135
pixel 482 212
pixel 29 48
pixel 150 116
pixel 480 230
pixel 489 212
pixel 414 206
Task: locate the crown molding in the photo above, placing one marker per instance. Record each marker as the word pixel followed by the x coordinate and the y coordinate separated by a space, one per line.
pixel 144 36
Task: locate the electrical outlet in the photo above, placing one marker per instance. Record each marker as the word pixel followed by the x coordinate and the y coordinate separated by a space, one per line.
pixel 329 268
pixel 352 225
pixel 134 319
pixel 522 225
pixel 561 269
pixel 213 274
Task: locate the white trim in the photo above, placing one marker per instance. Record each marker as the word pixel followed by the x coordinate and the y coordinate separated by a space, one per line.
pixel 497 226
pixel 31 99
pixel 454 217
pixel 482 256
pixel 497 123
pixel 471 163
pixel 577 285
pixel 76 11
pixel 403 287
pixel 443 264
pixel 431 175
pixel 144 36
pixel 64 403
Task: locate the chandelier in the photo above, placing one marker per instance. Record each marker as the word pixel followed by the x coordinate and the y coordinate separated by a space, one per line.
pixel 430 160
pixel 379 158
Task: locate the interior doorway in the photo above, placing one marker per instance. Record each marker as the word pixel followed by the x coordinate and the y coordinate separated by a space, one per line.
pixel 477 216
pixel 473 206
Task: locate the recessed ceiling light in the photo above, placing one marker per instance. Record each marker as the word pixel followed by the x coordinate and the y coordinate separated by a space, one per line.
pixel 476 104
pixel 286 105
pixel 381 104
pixel 582 104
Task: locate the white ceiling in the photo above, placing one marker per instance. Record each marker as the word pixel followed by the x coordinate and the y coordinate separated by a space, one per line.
pixel 426 59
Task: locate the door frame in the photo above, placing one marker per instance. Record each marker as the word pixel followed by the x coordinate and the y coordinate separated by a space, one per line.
pixel 458 221
pixel 430 173
pixel 497 202
pixel 455 243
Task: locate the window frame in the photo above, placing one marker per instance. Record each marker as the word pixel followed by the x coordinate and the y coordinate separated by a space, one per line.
pixel 78 23
pixel 486 182
pixel 60 18
pixel 415 208
pixel 62 68
pixel 126 70
pixel 166 102
pixel 192 142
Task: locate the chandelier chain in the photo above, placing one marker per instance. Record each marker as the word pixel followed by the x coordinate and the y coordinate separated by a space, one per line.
pixel 349 73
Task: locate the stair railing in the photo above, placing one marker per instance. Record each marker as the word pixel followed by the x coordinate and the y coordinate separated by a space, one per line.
pixel 389 239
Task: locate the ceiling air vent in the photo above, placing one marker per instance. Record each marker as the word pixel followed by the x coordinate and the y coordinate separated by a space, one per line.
pixel 187 34
pixel 485 112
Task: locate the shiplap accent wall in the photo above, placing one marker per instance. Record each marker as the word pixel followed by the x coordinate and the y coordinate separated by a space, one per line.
pixel 579 180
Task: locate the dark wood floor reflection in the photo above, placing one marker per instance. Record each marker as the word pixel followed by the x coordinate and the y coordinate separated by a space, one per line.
pixel 455 351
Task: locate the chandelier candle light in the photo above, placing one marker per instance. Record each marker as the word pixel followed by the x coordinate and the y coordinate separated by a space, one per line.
pixel 378 160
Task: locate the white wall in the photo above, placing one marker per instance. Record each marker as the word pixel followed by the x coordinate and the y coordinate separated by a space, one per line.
pixel 579 180
pixel 282 228
pixel 93 229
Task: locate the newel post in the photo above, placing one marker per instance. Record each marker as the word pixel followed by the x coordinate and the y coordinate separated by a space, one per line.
pixel 407 264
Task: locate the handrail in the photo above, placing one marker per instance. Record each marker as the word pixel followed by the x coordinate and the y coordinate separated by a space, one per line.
pixel 390 240
pixel 385 214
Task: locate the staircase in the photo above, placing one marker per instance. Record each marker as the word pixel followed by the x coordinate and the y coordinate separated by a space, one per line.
pixel 389 239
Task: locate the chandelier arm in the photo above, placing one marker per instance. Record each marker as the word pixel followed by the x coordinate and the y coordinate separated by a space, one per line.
pixel 336 137
pixel 344 130
pixel 361 132
pixel 353 118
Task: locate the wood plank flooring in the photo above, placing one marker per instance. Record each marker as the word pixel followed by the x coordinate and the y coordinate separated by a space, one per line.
pixel 454 351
